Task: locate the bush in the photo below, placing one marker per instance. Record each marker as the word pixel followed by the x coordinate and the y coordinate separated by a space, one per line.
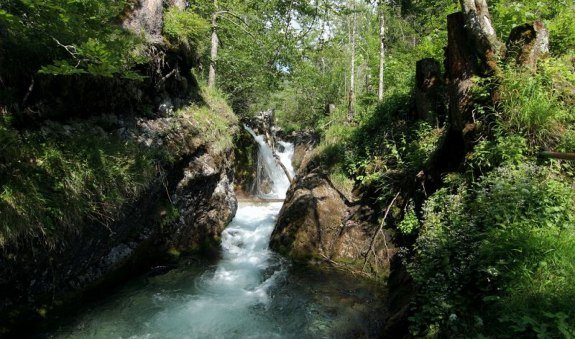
pixel 498 257
pixel 185 27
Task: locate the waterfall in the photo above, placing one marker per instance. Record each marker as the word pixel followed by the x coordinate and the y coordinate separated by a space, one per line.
pixel 249 293
pixel 271 179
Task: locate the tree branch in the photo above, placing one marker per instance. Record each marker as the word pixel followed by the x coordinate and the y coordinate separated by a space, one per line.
pixel 371 249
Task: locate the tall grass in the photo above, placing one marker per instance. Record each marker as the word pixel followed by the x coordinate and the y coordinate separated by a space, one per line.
pixel 533 104
pixel 53 183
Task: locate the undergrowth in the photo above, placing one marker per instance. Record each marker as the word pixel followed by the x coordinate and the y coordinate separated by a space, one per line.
pixel 59 179
pixel 53 183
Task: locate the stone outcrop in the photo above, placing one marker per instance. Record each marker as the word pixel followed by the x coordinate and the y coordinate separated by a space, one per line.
pixel 145 18
pixel 318 223
pixel 183 210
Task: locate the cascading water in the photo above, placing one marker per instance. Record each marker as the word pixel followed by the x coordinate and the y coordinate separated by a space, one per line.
pixel 271 180
pixel 250 293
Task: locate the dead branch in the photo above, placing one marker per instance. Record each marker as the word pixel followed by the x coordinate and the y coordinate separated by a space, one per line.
pixel 166 77
pixel 371 245
pixel 30 89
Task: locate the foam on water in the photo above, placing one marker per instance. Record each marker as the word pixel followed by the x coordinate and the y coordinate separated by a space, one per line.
pixel 248 294
pixel 268 167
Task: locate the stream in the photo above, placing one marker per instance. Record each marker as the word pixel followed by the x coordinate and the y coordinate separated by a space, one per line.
pixel 250 292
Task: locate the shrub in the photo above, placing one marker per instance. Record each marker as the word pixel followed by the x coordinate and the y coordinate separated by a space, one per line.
pixel 497 257
pixel 185 27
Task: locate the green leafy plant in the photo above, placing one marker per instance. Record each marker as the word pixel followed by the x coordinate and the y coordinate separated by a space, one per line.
pixel 498 255
pixel 185 27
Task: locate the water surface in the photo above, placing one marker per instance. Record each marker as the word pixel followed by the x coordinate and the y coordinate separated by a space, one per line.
pixel 250 293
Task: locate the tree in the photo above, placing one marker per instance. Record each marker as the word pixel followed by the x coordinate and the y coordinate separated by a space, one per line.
pixel 214 47
pixel 352 38
pixel 380 87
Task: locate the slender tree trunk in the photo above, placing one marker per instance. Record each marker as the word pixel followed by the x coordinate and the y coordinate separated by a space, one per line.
pixel 214 47
pixel 380 88
pixel 351 103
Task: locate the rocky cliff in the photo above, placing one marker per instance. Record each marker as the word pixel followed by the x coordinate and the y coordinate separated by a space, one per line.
pixel 180 135
pixel 183 209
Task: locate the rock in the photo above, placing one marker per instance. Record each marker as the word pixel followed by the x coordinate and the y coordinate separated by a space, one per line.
pixel 145 18
pixel 316 223
pixel 197 191
pixel 309 220
pixel 206 203
pixel 166 108
pixel 527 44
pixel 246 161
pixel 181 4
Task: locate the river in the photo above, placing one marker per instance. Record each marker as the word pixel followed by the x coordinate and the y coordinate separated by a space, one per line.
pixel 250 292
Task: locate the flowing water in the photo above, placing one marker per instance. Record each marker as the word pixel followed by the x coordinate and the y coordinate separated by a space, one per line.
pixel 250 293
pixel 271 179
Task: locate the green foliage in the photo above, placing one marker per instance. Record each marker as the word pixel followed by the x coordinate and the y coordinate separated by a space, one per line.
pixel 488 154
pixel 562 31
pixel 186 27
pixel 53 182
pixel 68 38
pixel 385 145
pixel 533 106
pixel 410 223
pixel 497 257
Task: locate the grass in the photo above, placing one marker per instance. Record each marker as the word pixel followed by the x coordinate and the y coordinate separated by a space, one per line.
pixel 57 180
pixel 214 121
pixel 52 183
pixel 534 104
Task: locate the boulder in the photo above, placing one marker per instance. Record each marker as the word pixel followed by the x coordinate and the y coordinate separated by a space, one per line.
pixel 146 18
pixel 318 223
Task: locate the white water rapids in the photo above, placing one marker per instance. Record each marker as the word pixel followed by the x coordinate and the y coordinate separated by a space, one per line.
pixel 268 168
pixel 250 293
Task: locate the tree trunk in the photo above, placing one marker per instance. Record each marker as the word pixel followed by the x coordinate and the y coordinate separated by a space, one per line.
pixel 380 87
pixel 351 103
pixel 214 47
pixel 460 67
pixel 482 34
pixel 527 43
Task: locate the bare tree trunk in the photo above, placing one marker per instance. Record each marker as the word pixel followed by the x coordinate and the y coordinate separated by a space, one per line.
pixel 380 87
pixel 351 103
pixel 481 33
pixel 214 47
